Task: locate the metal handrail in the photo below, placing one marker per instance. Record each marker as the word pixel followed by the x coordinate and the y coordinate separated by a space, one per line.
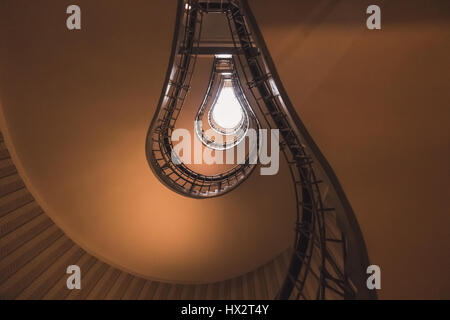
pixel 329 256
pixel 178 177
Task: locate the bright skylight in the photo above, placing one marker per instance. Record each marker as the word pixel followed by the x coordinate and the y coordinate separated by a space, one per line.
pixel 224 56
pixel 227 111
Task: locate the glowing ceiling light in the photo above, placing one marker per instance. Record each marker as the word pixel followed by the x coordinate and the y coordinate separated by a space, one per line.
pixel 223 56
pixel 227 112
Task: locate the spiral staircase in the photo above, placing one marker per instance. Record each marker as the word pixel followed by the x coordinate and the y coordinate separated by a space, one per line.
pixel 328 257
pixel 328 249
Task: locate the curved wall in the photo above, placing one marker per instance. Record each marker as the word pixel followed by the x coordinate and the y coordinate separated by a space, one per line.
pixel 34 255
pixel 76 106
pixel 377 105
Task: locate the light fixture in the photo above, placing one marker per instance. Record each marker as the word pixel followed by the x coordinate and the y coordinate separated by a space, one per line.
pixel 227 112
pixel 223 56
